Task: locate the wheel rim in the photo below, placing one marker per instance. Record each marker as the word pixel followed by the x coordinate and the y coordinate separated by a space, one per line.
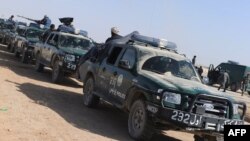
pixel 138 119
pixel 88 89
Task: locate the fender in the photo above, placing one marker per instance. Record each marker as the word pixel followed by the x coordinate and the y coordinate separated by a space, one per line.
pixel 136 92
pixel 84 72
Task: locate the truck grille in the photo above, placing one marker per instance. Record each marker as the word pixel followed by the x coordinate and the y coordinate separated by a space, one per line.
pixel 211 106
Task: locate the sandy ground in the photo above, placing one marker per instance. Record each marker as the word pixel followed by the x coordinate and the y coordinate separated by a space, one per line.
pixel 34 109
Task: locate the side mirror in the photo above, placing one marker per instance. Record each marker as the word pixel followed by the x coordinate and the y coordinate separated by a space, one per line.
pixel 124 64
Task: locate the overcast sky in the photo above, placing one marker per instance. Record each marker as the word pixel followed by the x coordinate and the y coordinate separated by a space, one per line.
pixel 214 30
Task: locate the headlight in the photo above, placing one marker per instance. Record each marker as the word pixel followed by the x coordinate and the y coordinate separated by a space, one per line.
pixel 69 57
pixel 173 98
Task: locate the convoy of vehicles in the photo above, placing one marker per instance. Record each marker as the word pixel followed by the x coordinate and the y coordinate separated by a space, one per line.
pixel 144 76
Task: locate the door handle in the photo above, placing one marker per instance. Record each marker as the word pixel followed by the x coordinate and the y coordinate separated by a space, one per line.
pixel 115 73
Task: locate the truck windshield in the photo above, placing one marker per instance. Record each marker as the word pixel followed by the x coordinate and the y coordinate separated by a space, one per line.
pixel 34 34
pixel 75 42
pixel 163 65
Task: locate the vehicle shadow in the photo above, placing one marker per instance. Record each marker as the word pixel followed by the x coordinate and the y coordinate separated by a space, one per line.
pixel 8 60
pixel 104 120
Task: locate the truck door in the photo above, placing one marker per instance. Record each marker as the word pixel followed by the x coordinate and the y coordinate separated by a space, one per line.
pixel 210 73
pixel 47 48
pixel 107 71
pixel 52 47
pixel 125 73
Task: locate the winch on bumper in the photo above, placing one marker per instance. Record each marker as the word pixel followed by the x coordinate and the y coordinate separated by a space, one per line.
pixel 195 120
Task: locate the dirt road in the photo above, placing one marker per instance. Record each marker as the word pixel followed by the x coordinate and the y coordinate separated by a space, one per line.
pixel 34 109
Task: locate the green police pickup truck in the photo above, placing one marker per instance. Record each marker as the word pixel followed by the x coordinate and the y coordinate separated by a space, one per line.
pixel 158 87
pixel 61 51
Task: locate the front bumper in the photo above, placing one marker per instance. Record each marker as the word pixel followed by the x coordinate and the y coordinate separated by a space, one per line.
pixel 189 121
pixel 69 67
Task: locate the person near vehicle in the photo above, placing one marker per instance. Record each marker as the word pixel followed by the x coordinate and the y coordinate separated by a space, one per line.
pixel 200 71
pixel 47 32
pixel 46 21
pixel 67 25
pixel 11 19
pixel 194 60
pixel 94 51
pixel 244 84
pixel 224 80
pixel 114 34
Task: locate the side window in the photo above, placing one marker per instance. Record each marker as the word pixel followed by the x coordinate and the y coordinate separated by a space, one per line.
pixel 51 40
pixel 56 39
pixel 129 56
pixel 114 55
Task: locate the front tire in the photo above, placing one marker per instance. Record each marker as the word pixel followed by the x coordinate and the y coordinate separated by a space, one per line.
pixel 24 57
pixel 17 54
pixel 39 67
pixel 140 127
pixel 57 73
pixel 89 99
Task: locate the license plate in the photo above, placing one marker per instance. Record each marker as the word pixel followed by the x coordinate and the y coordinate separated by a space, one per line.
pixel 181 117
pixel 71 66
pixel 186 118
pixel 233 122
pixel 200 121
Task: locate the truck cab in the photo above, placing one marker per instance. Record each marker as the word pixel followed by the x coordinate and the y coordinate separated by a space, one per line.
pixel 61 51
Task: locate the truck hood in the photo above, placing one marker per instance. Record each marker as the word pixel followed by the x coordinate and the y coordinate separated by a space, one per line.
pixel 74 51
pixel 181 85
